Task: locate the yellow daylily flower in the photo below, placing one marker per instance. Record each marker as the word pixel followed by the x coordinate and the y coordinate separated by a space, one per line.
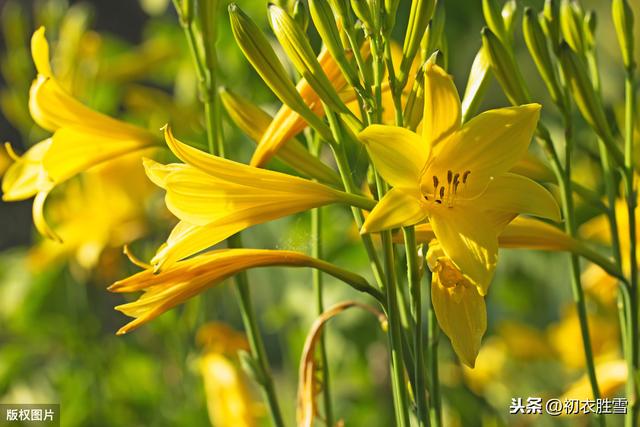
pixel 81 138
pixel 188 278
pixel 215 198
pixel 456 176
pixel 103 211
pixel 229 400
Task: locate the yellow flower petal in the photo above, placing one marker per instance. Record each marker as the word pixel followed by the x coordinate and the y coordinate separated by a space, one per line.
pixel 398 154
pixel 511 193
pixel 38 217
pixel 399 207
pixel 40 52
pixel 25 177
pixel 487 146
pixel 73 151
pixel 469 240
pixel 462 315
pixel 157 172
pixel 442 111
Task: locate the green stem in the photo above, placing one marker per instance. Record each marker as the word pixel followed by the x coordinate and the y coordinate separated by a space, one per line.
pixel 316 252
pixel 563 176
pixel 395 335
pixel 633 361
pixel 413 273
pixel 433 337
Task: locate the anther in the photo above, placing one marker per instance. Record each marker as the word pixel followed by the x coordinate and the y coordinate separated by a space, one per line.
pixel 465 176
pixel 449 177
pixel 441 192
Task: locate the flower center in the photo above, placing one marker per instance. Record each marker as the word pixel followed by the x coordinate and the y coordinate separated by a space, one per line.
pixel 444 190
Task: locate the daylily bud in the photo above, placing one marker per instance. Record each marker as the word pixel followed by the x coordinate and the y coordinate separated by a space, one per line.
pixel 539 49
pixel 259 52
pixel 325 23
pixel 589 29
pixel 364 13
pixel 623 23
pixel 434 35
pixel 493 17
pixel 505 69
pixel 550 22
pixel 575 71
pixel 414 105
pixel 301 14
pixel 509 11
pixel 476 84
pixel 253 121
pixel 390 11
pixel 296 44
pixel 341 7
pixel 571 21
pixel 421 12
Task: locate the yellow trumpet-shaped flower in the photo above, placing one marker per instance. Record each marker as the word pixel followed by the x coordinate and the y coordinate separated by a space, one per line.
pixel 81 138
pixel 229 401
pixel 456 176
pixel 188 278
pixel 215 198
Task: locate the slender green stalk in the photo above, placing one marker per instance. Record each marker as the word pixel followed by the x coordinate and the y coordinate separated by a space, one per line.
pixel 633 362
pixel 395 335
pixel 576 285
pixel 433 337
pixel 316 252
pixel 413 273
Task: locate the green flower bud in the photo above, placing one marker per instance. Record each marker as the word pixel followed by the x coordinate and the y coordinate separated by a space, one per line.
pixel 477 83
pixel 505 68
pixel 260 54
pixel 509 11
pixel 571 23
pixel 301 14
pixel 325 23
pixel 589 30
pixel 493 17
pixel 253 121
pixel 414 105
pixel 623 23
pixel 341 8
pixel 434 35
pixel 581 88
pixel 295 43
pixel 390 11
pixel 364 13
pixel 421 12
pixel 550 22
pixel 539 50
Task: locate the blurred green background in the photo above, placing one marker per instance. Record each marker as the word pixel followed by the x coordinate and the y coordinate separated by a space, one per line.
pixel 57 322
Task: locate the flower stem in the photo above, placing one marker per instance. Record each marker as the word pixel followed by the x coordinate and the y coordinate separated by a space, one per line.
pixel 633 362
pixel 316 252
pixel 413 273
pixel 433 337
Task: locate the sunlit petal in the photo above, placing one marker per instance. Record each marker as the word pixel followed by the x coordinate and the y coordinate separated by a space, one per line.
pixel 442 112
pixel 399 207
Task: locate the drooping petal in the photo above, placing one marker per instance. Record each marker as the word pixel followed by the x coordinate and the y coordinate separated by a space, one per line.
pixel 515 194
pixel 442 111
pixel 398 154
pixel 462 315
pixel 487 146
pixel 399 207
pixel 469 240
